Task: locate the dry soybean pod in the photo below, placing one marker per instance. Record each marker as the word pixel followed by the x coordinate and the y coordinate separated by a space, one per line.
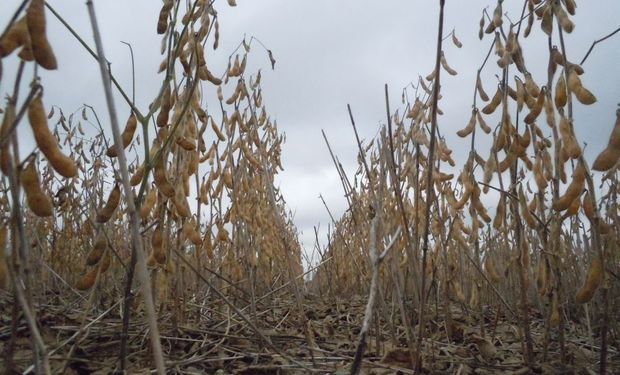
pixel 87 280
pixel 609 157
pixel 127 135
pixel 38 202
pixel 447 68
pixel 592 282
pixel 495 101
pixel 161 181
pixel 581 93
pixel 15 37
pixel 570 143
pixel 99 247
pixel 574 189
pixel 105 214
pixel 470 126
pixel 7 121
pixel 46 141
pixel 560 92
pixel 149 202
pixel 491 270
pixel 41 49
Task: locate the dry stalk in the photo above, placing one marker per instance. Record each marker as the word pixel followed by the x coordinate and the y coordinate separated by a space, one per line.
pixel 375 260
pixel 429 190
pixel 132 212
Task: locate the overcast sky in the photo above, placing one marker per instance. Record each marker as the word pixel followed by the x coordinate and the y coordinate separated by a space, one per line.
pixel 329 53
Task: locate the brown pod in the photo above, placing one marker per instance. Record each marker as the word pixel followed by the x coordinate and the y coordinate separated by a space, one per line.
pixel 471 124
pixel 105 262
pixel 205 74
pixel 151 261
pixel 190 232
pixel 521 94
pixel 573 208
pixel 525 139
pixel 447 68
pixel 541 181
pixel 483 94
pixel 222 234
pixel 569 142
pixel 46 141
pixel 7 122
pixel 536 109
pixel 127 135
pixel 164 13
pixel 483 124
pixel 217 131
pixel 565 22
pixel 530 86
pixel 166 105
pixel 208 245
pixel 606 160
pixel 495 101
pixel 465 197
pixel 456 41
pixel 161 181
pixel 41 49
pixel 180 203
pixel 26 53
pixel 557 57
pixel 105 214
pixel 87 280
pixel 101 243
pixel 542 277
pixel 136 177
pixel 38 202
pixel 525 211
pixel 581 93
pixel 560 92
pixel 456 291
pixel 585 96
pixel 609 157
pixel 592 282
pixel 530 19
pixel 570 6
pixel 573 190
pixel 186 143
pixel 157 240
pixel 547 20
pixel 147 205
pixel 15 37
pixel 588 207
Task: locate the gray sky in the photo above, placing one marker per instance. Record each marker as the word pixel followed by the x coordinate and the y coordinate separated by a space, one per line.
pixel 329 53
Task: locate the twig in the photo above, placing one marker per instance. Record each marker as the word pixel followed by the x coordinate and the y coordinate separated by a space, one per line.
pixel 597 42
pixel 94 55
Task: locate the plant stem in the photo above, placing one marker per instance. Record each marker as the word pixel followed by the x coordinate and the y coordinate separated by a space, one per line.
pixel 429 190
pixel 131 208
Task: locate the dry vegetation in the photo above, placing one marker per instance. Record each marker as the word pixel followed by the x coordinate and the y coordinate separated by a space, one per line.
pixel 169 248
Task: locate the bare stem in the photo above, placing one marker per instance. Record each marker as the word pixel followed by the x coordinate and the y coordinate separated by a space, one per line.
pixel 429 189
pixel 131 208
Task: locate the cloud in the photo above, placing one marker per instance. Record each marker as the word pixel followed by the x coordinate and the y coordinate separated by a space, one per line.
pixel 329 53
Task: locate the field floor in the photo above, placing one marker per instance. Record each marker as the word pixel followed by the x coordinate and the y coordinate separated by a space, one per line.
pixel 207 338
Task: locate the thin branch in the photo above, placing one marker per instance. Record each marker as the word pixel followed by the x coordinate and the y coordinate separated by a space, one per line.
pixel 131 208
pixel 597 42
